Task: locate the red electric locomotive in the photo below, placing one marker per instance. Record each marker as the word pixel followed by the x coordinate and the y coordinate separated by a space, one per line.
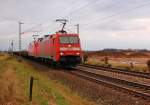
pixel 61 48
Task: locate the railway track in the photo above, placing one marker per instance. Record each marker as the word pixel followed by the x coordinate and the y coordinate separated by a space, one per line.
pixel 120 71
pixel 134 88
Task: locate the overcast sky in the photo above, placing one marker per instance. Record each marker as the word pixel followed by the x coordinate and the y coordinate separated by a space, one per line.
pixel 103 23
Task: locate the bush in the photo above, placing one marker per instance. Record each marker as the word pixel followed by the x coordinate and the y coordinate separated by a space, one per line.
pixel 148 65
pixel 85 58
pixel 106 60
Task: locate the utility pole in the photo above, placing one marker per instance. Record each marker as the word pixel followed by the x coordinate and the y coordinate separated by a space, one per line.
pixel 20 23
pixel 77 25
pixel 12 47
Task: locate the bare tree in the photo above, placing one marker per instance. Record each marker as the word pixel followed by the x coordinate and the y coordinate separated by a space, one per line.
pixel 106 60
pixel 148 65
pixel 85 58
pixel 131 65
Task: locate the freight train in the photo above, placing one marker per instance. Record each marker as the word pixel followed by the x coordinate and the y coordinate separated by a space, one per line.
pixel 60 48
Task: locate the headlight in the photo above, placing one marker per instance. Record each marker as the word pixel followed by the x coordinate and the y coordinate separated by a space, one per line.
pixel 78 53
pixel 61 53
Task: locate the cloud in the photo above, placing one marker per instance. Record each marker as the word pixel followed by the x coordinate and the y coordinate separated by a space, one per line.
pixel 128 30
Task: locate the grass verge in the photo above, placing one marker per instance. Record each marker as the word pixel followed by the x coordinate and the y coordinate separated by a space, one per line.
pixel 14 83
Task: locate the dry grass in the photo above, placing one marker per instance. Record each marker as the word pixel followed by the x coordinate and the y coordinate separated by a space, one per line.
pixel 14 86
pixel 118 64
pixel 10 91
pixel 121 59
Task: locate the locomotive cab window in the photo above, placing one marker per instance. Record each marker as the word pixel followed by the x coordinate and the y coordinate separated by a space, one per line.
pixel 69 39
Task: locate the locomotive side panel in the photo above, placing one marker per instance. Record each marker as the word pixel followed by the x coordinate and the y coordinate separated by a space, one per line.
pixel 31 49
pixel 47 48
pixel 38 49
pixel 54 48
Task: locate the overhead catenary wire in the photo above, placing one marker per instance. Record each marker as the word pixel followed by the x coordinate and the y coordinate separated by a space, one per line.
pixel 103 18
pixel 117 14
pixel 31 29
pixel 106 7
pixel 81 7
pixel 73 11
pixel 51 18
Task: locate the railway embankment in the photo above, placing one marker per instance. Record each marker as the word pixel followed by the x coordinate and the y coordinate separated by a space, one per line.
pixel 15 82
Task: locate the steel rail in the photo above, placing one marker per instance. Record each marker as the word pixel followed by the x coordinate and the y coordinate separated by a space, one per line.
pixel 120 71
pixel 140 90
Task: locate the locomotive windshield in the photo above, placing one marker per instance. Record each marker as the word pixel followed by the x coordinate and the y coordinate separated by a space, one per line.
pixel 69 39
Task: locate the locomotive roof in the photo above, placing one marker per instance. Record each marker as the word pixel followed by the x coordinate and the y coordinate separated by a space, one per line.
pixel 68 34
pixel 57 34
